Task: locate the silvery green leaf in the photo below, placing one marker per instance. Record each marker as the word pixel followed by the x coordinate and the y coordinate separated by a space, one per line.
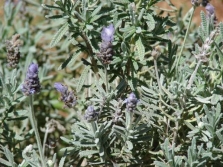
pixel 65 139
pixel 203 100
pixel 60 33
pixel 82 78
pixel 88 152
pixel 221 30
pixel 160 164
pixel 62 160
pixel 150 22
pixel 204 24
pixel 219 134
pixel 96 11
pixel 140 48
pixel 69 61
pixel 4 162
pixel 129 145
pixel 50 7
pixel 141 14
pixel 121 1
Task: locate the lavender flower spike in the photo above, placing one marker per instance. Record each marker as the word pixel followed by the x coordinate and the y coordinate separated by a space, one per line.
pixel 90 114
pixel 106 51
pixel 67 97
pixel 210 9
pixel 107 34
pixel 131 102
pixel 31 84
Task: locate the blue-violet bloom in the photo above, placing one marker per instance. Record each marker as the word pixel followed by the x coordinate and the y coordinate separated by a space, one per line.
pixel 131 102
pixel 67 96
pixel 210 9
pixel 91 114
pixel 106 51
pixel 107 33
pixel 31 84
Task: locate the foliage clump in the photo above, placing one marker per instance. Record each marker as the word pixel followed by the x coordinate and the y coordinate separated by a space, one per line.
pixel 139 88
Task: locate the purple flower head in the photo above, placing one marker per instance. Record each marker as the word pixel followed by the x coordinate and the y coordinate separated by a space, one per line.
pixel 31 84
pixel 106 51
pixel 210 9
pixel 90 114
pixel 107 33
pixel 60 87
pixel 67 97
pixel 131 102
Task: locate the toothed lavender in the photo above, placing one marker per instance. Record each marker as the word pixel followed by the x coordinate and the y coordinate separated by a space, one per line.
pixel 106 51
pixel 31 84
pixel 131 102
pixel 90 114
pixel 67 96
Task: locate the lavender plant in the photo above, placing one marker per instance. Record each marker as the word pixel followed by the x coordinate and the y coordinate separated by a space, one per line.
pixel 139 89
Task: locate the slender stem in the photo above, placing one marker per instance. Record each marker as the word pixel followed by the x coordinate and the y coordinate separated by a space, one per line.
pixel 106 78
pixel 157 76
pixel 44 140
pixel 185 37
pixel 175 132
pixel 190 82
pixel 34 125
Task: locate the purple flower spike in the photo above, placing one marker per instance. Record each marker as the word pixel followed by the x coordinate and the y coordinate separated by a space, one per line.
pixel 31 84
pixel 131 102
pixel 107 33
pixel 90 114
pixel 106 51
pixel 66 96
pixel 60 87
pixel 210 9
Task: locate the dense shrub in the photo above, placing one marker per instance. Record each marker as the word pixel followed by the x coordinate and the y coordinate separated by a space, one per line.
pixel 110 83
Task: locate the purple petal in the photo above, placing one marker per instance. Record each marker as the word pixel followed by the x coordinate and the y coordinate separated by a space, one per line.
pixel 90 109
pixel 33 68
pixel 60 87
pixel 107 33
pixel 210 9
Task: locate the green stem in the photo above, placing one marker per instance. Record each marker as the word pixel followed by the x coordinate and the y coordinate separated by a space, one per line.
pixel 187 32
pixel 157 76
pixel 34 125
pixel 44 140
pixel 106 77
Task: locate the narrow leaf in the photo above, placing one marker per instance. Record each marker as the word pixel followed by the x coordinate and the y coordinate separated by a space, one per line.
pixel 140 48
pixel 57 37
pixel 82 78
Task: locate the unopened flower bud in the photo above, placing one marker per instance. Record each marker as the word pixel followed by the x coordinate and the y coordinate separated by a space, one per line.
pixel 106 51
pixel 13 53
pixel 67 97
pixel 131 102
pixel 31 84
pixel 210 9
pixel 155 54
pixel 196 2
pixel 28 149
pixel 107 33
pixel 90 114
